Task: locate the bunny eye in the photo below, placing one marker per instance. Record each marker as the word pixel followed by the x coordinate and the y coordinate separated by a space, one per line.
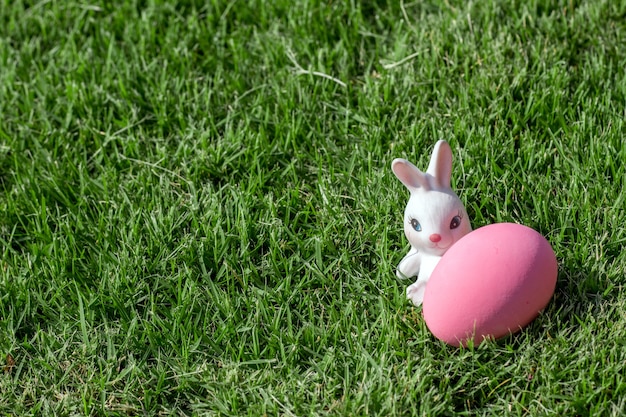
pixel 456 222
pixel 416 225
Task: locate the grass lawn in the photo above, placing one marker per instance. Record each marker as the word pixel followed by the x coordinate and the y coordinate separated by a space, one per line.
pixel 198 216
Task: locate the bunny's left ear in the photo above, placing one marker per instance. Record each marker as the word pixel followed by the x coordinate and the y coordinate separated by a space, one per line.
pixel 409 175
pixel 440 165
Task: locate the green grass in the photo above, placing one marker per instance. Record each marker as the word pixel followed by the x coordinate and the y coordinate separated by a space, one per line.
pixel 193 222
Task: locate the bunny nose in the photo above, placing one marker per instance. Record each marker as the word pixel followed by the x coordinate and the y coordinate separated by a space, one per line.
pixel 435 238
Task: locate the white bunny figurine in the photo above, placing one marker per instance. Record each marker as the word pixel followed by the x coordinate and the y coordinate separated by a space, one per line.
pixel 434 218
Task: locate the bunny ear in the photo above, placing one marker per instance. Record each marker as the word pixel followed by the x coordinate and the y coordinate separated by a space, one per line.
pixel 409 175
pixel 440 165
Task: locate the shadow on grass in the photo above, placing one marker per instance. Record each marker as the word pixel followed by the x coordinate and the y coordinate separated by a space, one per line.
pixel 577 296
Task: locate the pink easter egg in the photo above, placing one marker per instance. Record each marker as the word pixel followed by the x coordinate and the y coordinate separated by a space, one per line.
pixel 491 283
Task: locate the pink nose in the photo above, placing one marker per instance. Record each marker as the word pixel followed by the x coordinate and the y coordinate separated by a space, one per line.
pixel 435 238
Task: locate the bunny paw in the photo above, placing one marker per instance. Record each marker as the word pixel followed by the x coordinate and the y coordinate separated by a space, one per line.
pixel 415 292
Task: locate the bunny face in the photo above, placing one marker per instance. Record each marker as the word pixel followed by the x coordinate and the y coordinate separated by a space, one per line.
pixel 434 221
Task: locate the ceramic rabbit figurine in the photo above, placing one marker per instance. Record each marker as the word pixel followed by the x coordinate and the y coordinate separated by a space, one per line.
pixel 434 218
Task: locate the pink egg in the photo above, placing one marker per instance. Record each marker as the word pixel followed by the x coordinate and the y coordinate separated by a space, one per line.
pixel 491 283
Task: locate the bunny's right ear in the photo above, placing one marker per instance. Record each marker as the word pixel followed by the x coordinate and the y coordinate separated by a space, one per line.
pixel 409 175
pixel 440 165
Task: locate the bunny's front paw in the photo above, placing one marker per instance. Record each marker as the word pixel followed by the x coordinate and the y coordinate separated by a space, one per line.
pixel 415 292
